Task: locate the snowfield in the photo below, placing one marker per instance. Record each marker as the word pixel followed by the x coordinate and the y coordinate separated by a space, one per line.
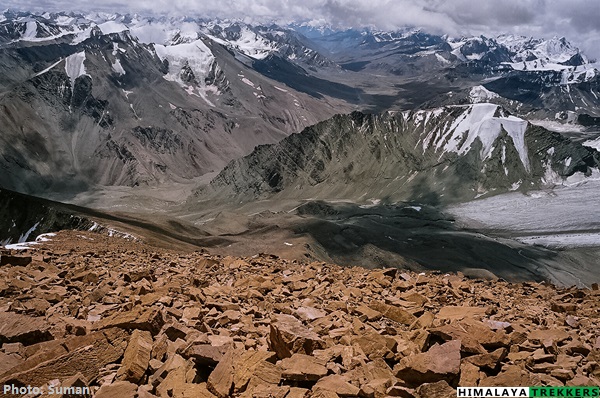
pixel 568 216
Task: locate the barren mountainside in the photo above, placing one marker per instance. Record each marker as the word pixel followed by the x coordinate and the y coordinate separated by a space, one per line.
pixel 450 154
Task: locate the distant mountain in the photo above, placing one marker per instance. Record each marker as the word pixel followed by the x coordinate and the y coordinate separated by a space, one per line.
pixel 444 155
pixel 84 102
pixel 110 99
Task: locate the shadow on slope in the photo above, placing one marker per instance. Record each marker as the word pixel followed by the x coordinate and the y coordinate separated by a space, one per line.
pixel 420 235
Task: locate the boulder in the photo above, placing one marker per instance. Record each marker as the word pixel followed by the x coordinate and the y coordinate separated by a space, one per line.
pixel 336 384
pixel 17 328
pixel 205 354
pixel 137 356
pixel 455 313
pixel 300 367
pixel 288 335
pixel 441 362
pixel 17 261
pixel 104 347
pixel 489 362
pixel 150 319
pixel 240 369
pixel 393 312
pixel 118 389
pixel 440 389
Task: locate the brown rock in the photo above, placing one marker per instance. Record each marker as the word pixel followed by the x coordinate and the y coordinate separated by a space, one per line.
pixel 400 391
pixel 192 390
pixel 182 372
pixel 489 361
pixel 440 389
pixel 23 329
pixel 105 347
pixel 118 389
pixel 205 354
pixel 240 369
pixel 267 391
pixel 511 375
pixel 176 331
pixel 17 261
pixel 368 313
pixel 300 367
pixel 469 375
pixel 563 307
pixel 296 392
pixel 441 362
pixel 336 384
pixel 139 318
pixel 288 335
pixel 136 358
pixel 469 343
pixel 375 345
pixel 310 313
pixel 394 313
pixel 556 336
pixel 458 313
pixel 9 361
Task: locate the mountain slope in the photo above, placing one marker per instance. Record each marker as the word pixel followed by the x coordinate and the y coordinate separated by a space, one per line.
pixel 80 112
pixel 437 156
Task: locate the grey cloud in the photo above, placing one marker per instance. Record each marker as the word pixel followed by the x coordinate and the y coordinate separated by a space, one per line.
pixel 574 19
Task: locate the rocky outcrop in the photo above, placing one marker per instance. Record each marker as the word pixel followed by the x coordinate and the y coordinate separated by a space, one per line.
pixel 132 320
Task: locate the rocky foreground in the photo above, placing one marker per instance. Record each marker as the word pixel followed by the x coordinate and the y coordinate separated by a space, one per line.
pixel 129 320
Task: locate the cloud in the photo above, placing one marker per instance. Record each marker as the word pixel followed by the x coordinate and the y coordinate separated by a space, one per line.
pixel 575 19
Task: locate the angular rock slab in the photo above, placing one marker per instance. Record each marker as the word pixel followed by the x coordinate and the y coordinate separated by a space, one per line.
pixel 16 328
pixel 288 336
pixel 441 362
pixel 136 358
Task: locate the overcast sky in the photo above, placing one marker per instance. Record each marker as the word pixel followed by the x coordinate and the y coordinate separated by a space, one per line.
pixel 578 20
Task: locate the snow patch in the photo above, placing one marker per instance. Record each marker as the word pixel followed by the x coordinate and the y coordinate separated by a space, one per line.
pixel 478 122
pixel 48 68
pixel 481 94
pixel 74 66
pixel 25 236
pixel 30 30
pixel 117 67
pixel 595 143
pixel 112 27
pixel 45 237
pixel 197 57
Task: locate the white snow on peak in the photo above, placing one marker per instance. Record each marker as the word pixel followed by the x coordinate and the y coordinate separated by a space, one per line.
pixel 30 30
pixel 197 56
pixel 74 66
pixel 478 122
pixel 481 94
pixel 555 50
pixel 249 43
pixel 109 27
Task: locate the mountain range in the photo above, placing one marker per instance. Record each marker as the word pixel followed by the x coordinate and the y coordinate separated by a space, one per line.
pixel 221 128
pixel 103 100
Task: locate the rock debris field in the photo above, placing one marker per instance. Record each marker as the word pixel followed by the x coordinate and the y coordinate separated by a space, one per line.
pixel 129 320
